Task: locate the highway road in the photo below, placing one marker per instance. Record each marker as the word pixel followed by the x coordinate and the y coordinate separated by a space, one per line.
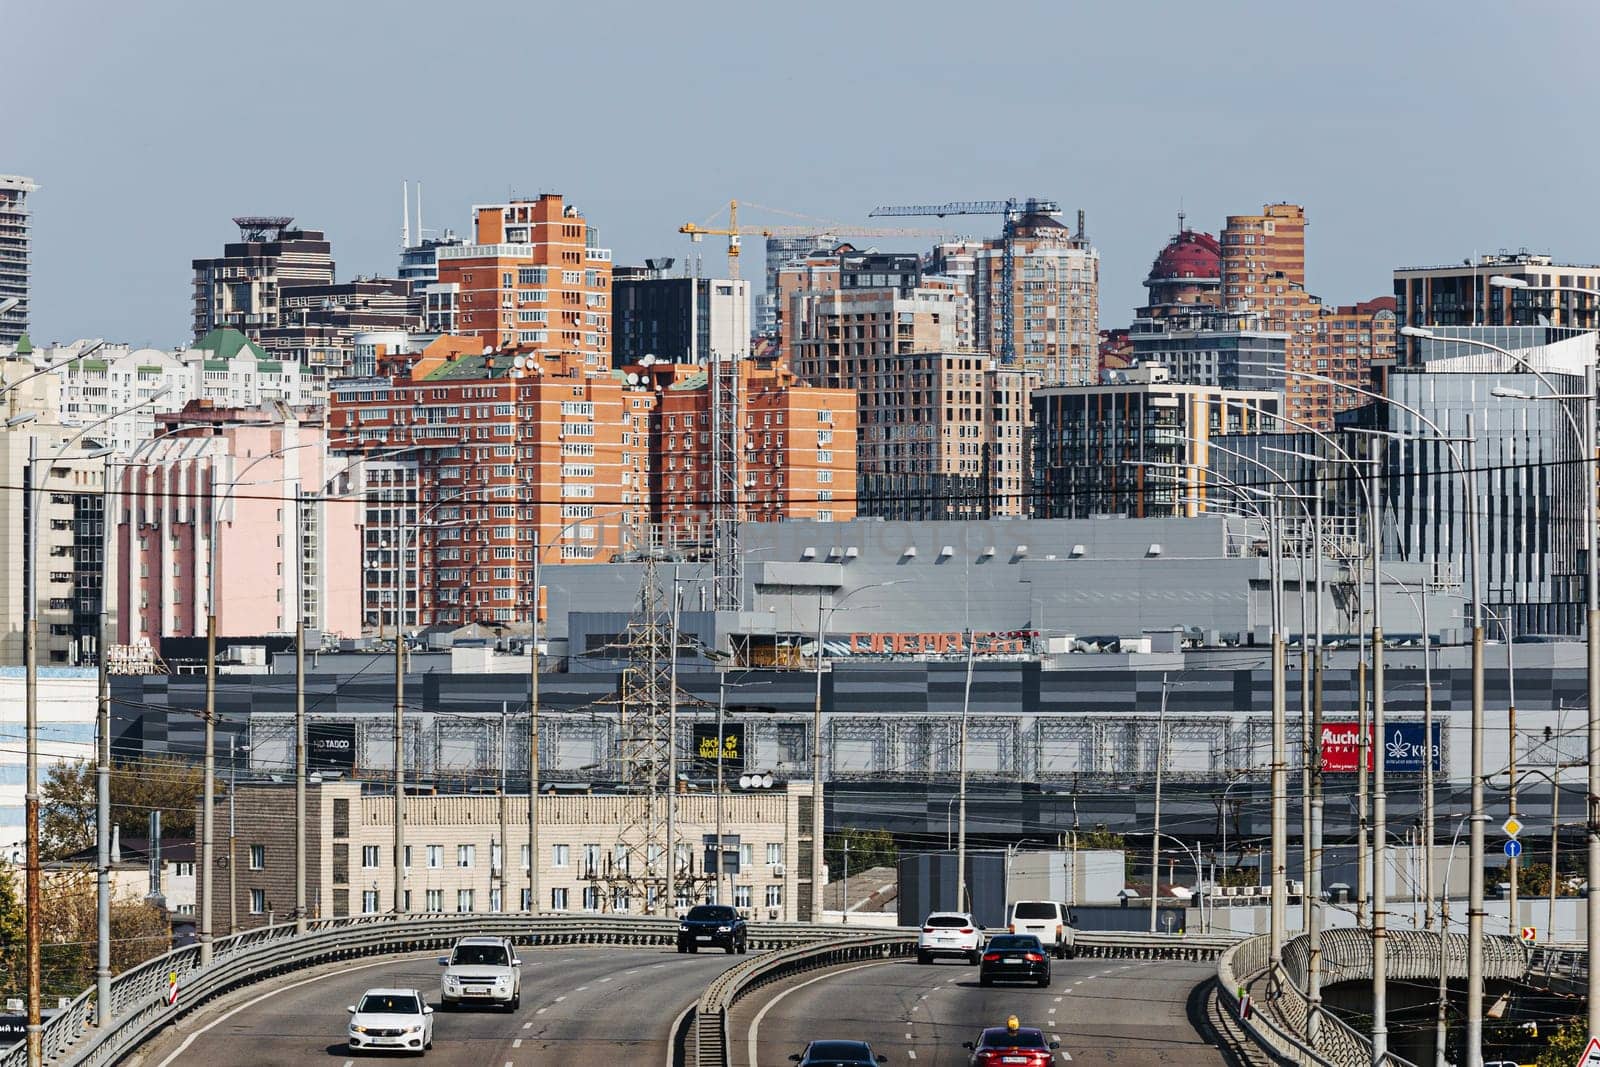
pixel 1124 1012
pixel 579 1005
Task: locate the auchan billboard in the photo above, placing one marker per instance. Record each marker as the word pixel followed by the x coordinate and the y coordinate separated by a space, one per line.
pixel 1403 745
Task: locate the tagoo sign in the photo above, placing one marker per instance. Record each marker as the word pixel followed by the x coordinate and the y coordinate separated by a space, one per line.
pixel 1403 745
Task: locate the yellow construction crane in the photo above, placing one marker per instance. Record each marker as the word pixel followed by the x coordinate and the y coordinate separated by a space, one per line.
pixel 734 232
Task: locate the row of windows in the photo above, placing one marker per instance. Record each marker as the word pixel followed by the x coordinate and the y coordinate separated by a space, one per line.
pixel 560 855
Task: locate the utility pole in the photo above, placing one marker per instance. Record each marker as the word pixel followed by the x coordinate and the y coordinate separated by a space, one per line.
pixel 1280 770
pixel 233 866
pixel 722 704
pixel 102 1004
pixel 300 739
pixel 1155 836
pixel 1511 771
pixel 209 785
pixel 500 791
pixel 816 780
pixel 961 818
pixel 672 749
pixel 844 900
pixel 1314 846
pixel 533 735
pixel 400 723
pixel 1380 799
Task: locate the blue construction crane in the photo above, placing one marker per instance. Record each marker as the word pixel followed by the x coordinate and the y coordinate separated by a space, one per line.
pixel 1013 209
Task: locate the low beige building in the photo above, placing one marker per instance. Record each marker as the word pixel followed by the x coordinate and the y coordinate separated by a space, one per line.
pixel 597 853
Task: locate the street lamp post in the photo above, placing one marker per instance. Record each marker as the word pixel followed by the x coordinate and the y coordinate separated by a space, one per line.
pixel 816 745
pixel 32 875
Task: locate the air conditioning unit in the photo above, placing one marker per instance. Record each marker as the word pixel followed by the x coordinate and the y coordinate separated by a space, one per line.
pixel 777 870
pixel 772 913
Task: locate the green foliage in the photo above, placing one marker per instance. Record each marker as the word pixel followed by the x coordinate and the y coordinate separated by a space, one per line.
pixel 868 848
pixel 1566 1045
pixel 1098 838
pixel 138 787
pixel 12 931
pixel 68 933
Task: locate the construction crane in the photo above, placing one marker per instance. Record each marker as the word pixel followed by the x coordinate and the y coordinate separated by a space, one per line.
pixel 1012 209
pixel 733 232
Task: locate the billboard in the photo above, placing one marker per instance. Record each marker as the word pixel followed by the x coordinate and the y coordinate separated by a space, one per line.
pixel 1403 745
pixel 330 746
pixel 705 743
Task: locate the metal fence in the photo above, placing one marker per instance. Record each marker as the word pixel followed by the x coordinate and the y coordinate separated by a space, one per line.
pixel 139 996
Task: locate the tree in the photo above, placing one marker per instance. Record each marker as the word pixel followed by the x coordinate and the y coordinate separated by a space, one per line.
pixel 868 848
pixel 1098 838
pixel 1566 1045
pixel 138 787
pixel 13 932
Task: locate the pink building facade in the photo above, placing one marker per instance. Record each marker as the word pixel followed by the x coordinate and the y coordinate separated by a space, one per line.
pixel 254 495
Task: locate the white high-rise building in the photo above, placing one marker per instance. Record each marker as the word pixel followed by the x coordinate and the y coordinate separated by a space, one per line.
pixel 14 262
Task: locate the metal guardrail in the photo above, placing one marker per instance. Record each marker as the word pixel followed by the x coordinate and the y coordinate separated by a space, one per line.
pixel 707 1029
pixel 1278 1020
pixel 138 996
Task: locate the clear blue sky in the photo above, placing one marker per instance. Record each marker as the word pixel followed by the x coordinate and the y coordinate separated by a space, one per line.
pixel 1412 132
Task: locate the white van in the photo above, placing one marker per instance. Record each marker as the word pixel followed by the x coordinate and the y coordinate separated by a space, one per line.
pixel 1047 920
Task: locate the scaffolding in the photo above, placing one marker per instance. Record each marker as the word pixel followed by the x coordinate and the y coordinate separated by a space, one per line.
pixel 723 382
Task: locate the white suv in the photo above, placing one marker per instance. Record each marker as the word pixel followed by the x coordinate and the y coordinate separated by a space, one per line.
pixel 950 933
pixel 1047 920
pixel 481 970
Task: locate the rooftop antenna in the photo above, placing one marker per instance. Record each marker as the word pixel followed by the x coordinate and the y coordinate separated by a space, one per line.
pixel 419 212
pixel 1181 218
pixel 405 215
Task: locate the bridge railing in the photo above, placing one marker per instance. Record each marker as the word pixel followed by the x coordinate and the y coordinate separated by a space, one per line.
pixel 707 1026
pixel 139 995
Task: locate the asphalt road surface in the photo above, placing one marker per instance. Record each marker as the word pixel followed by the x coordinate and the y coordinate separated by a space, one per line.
pixel 1129 1013
pixel 579 1005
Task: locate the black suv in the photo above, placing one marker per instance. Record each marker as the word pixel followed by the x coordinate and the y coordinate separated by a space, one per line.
pixel 712 926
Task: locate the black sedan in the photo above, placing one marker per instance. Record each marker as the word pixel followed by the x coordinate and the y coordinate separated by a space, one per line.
pixel 1014 958
pixel 838 1054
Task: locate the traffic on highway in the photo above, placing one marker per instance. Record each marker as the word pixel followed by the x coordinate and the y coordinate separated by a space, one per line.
pixel 494 1003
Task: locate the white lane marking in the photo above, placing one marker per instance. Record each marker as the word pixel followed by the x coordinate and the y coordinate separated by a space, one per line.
pixel 510 1064
pixel 634 971
pixel 755 1024
pixel 175 1053
pixel 1064 1054
pixel 580 989
pixel 541 1011
pixel 1052 1011
pixel 916 1007
pixel 908 1037
pixel 561 998
pixel 605 980
pixel 517 1043
pixel 910 1052
pixel 1058 1000
pixel 349 1063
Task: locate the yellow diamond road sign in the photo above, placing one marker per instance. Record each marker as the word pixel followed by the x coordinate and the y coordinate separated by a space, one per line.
pixel 1511 827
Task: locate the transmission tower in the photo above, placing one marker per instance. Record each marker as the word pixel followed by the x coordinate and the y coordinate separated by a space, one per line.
pixel 644 750
pixel 723 384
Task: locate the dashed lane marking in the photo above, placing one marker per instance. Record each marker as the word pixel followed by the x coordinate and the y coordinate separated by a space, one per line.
pixel 541 1011
pixel 755 1024
pixel 561 998
pixel 1058 1000
pixel 912 1053
pixel 517 1043
pixel 580 989
pixel 605 979
pixel 908 1037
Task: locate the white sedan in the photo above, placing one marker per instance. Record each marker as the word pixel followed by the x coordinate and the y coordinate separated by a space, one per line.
pixel 950 933
pixel 391 1019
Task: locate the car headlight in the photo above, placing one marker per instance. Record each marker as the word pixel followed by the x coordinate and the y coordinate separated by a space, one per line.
pixel 413 1029
pixel 354 1029
pixel 724 929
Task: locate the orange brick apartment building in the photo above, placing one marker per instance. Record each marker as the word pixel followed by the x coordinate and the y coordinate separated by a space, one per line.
pixel 517 449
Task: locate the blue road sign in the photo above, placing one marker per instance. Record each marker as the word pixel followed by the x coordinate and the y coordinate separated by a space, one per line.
pixel 1513 848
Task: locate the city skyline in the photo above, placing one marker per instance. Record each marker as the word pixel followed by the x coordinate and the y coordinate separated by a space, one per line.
pixel 1236 113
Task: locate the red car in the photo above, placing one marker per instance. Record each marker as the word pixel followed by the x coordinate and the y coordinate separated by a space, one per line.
pixel 1012 1045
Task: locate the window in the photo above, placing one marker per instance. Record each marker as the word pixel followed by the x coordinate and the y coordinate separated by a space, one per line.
pixel 591 898
pixel 183 870
pixel 258 901
pixel 435 900
pixel 527 895
pixel 463 900
pixel 560 855
pixel 774 852
pixel 774 896
pixel 408 858
pixel 435 856
pixel 558 898
pixel 741 896
pixel 369 856
pixel 407 899
pixel 494 900
pixel 747 856
pixel 524 851
pixel 591 859
pixel 258 857
pixel 369 902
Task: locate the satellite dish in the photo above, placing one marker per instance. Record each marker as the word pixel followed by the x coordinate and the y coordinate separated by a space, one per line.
pixel 633 379
pixel 519 362
pixel 744 781
pixel 766 781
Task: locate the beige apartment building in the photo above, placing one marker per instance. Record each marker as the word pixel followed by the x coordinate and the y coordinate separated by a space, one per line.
pixel 594 853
